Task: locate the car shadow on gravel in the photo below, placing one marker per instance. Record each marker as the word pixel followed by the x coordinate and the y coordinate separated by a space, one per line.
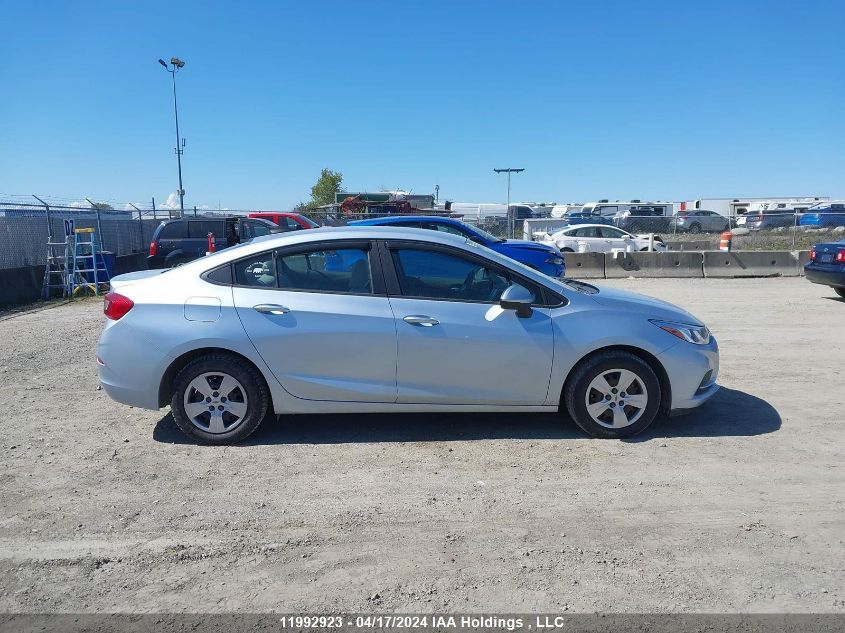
pixel 728 413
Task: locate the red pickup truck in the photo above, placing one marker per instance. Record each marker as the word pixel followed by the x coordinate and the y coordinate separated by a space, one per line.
pixel 289 221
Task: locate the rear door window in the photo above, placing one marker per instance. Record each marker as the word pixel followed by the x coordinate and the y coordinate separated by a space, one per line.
pixel 258 271
pixel 325 270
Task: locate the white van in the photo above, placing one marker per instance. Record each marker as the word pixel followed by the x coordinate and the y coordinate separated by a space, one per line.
pixel 560 210
pixel 476 213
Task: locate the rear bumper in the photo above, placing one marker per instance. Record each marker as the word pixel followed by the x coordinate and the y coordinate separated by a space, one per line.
pixel 833 278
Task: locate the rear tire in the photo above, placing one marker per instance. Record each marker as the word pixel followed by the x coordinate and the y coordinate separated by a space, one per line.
pixel 840 292
pixel 566 250
pixel 219 399
pixel 613 395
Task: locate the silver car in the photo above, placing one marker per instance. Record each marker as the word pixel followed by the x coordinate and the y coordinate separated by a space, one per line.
pixel 386 319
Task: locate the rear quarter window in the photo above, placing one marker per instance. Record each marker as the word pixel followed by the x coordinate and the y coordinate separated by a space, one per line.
pixel 202 228
pixel 172 231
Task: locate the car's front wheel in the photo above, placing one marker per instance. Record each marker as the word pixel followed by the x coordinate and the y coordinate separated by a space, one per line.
pixel 840 292
pixel 613 394
pixel 219 399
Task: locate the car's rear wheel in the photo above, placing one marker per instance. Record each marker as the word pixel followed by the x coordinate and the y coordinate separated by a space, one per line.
pixel 219 399
pixel 840 292
pixel 613 394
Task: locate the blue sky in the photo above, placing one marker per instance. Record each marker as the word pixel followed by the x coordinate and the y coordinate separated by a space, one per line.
pixel 669 100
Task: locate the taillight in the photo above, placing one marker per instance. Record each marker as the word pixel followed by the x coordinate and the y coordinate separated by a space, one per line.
pixel 840 256
pixel 153 249
pixel 115 306
pixel 812 254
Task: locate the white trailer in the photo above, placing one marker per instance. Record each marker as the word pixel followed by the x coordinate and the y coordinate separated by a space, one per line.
pixel 732 207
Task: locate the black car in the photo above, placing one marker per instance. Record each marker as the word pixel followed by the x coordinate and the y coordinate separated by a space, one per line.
pixel 644 219
pixel 179 241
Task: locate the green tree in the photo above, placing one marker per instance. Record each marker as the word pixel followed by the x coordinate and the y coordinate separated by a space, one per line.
pixel 326 186
pixel 103 206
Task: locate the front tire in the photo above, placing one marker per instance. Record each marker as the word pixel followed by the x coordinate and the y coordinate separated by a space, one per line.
pixel 613 395
pixel 695 228
pixel 840 292
pixel 219 399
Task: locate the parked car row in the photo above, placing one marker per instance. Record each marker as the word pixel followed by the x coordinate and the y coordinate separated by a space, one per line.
pixel 176 242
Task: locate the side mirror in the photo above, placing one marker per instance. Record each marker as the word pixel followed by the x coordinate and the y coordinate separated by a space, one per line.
pixel 519 298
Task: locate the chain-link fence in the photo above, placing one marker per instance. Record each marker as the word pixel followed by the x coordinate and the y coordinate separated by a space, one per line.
pixel 25 227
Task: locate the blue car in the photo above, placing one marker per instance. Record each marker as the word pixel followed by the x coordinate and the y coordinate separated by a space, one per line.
pixel 823 215
pixel 546 259
pixel 827 266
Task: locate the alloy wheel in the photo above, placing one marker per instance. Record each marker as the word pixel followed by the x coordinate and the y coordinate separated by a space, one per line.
pixel 215 402
pixel 616 398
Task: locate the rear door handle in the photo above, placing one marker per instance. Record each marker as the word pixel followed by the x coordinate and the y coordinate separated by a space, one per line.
pixel 271 308
pixel 419 319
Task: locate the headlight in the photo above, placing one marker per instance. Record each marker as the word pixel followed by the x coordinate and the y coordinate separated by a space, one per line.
pixel 557 261
pixel 695 334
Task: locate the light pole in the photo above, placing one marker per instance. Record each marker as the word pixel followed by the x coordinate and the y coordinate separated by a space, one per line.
pixel 509 171
pixel 176 64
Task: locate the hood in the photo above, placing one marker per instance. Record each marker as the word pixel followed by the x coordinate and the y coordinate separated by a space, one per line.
pixel 127 279
pixel 649 307
pixel 528 246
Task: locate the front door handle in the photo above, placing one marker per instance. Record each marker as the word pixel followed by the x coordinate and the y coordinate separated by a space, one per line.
pixel 419 319
pixel 271 308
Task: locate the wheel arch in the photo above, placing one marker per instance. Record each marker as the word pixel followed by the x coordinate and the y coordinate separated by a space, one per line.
pixel 165 388
pixel 649 358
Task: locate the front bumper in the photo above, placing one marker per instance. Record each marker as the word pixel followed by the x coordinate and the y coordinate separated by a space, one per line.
pixel 693 371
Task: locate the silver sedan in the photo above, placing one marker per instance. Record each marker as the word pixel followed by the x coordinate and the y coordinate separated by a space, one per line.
pixel 382 319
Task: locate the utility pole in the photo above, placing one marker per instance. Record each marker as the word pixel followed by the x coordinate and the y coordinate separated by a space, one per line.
pixel 509 171
pixel 176 64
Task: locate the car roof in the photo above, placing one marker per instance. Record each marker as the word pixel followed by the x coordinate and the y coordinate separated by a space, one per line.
pixel 582 226
pixel 405 218
pixel 361 232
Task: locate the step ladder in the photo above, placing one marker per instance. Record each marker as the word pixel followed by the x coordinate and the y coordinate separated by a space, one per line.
pixel 88 270
pixel 56 270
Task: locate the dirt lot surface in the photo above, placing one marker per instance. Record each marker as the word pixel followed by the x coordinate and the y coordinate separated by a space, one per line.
pixel 736 507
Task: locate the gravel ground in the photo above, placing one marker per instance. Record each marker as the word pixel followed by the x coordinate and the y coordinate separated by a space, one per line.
pixel 736 507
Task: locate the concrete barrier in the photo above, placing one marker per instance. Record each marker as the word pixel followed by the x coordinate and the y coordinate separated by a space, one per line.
pixel 803 257
pixel 750 264
pixel 584 265
pixel 693 245
pixel 646 264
